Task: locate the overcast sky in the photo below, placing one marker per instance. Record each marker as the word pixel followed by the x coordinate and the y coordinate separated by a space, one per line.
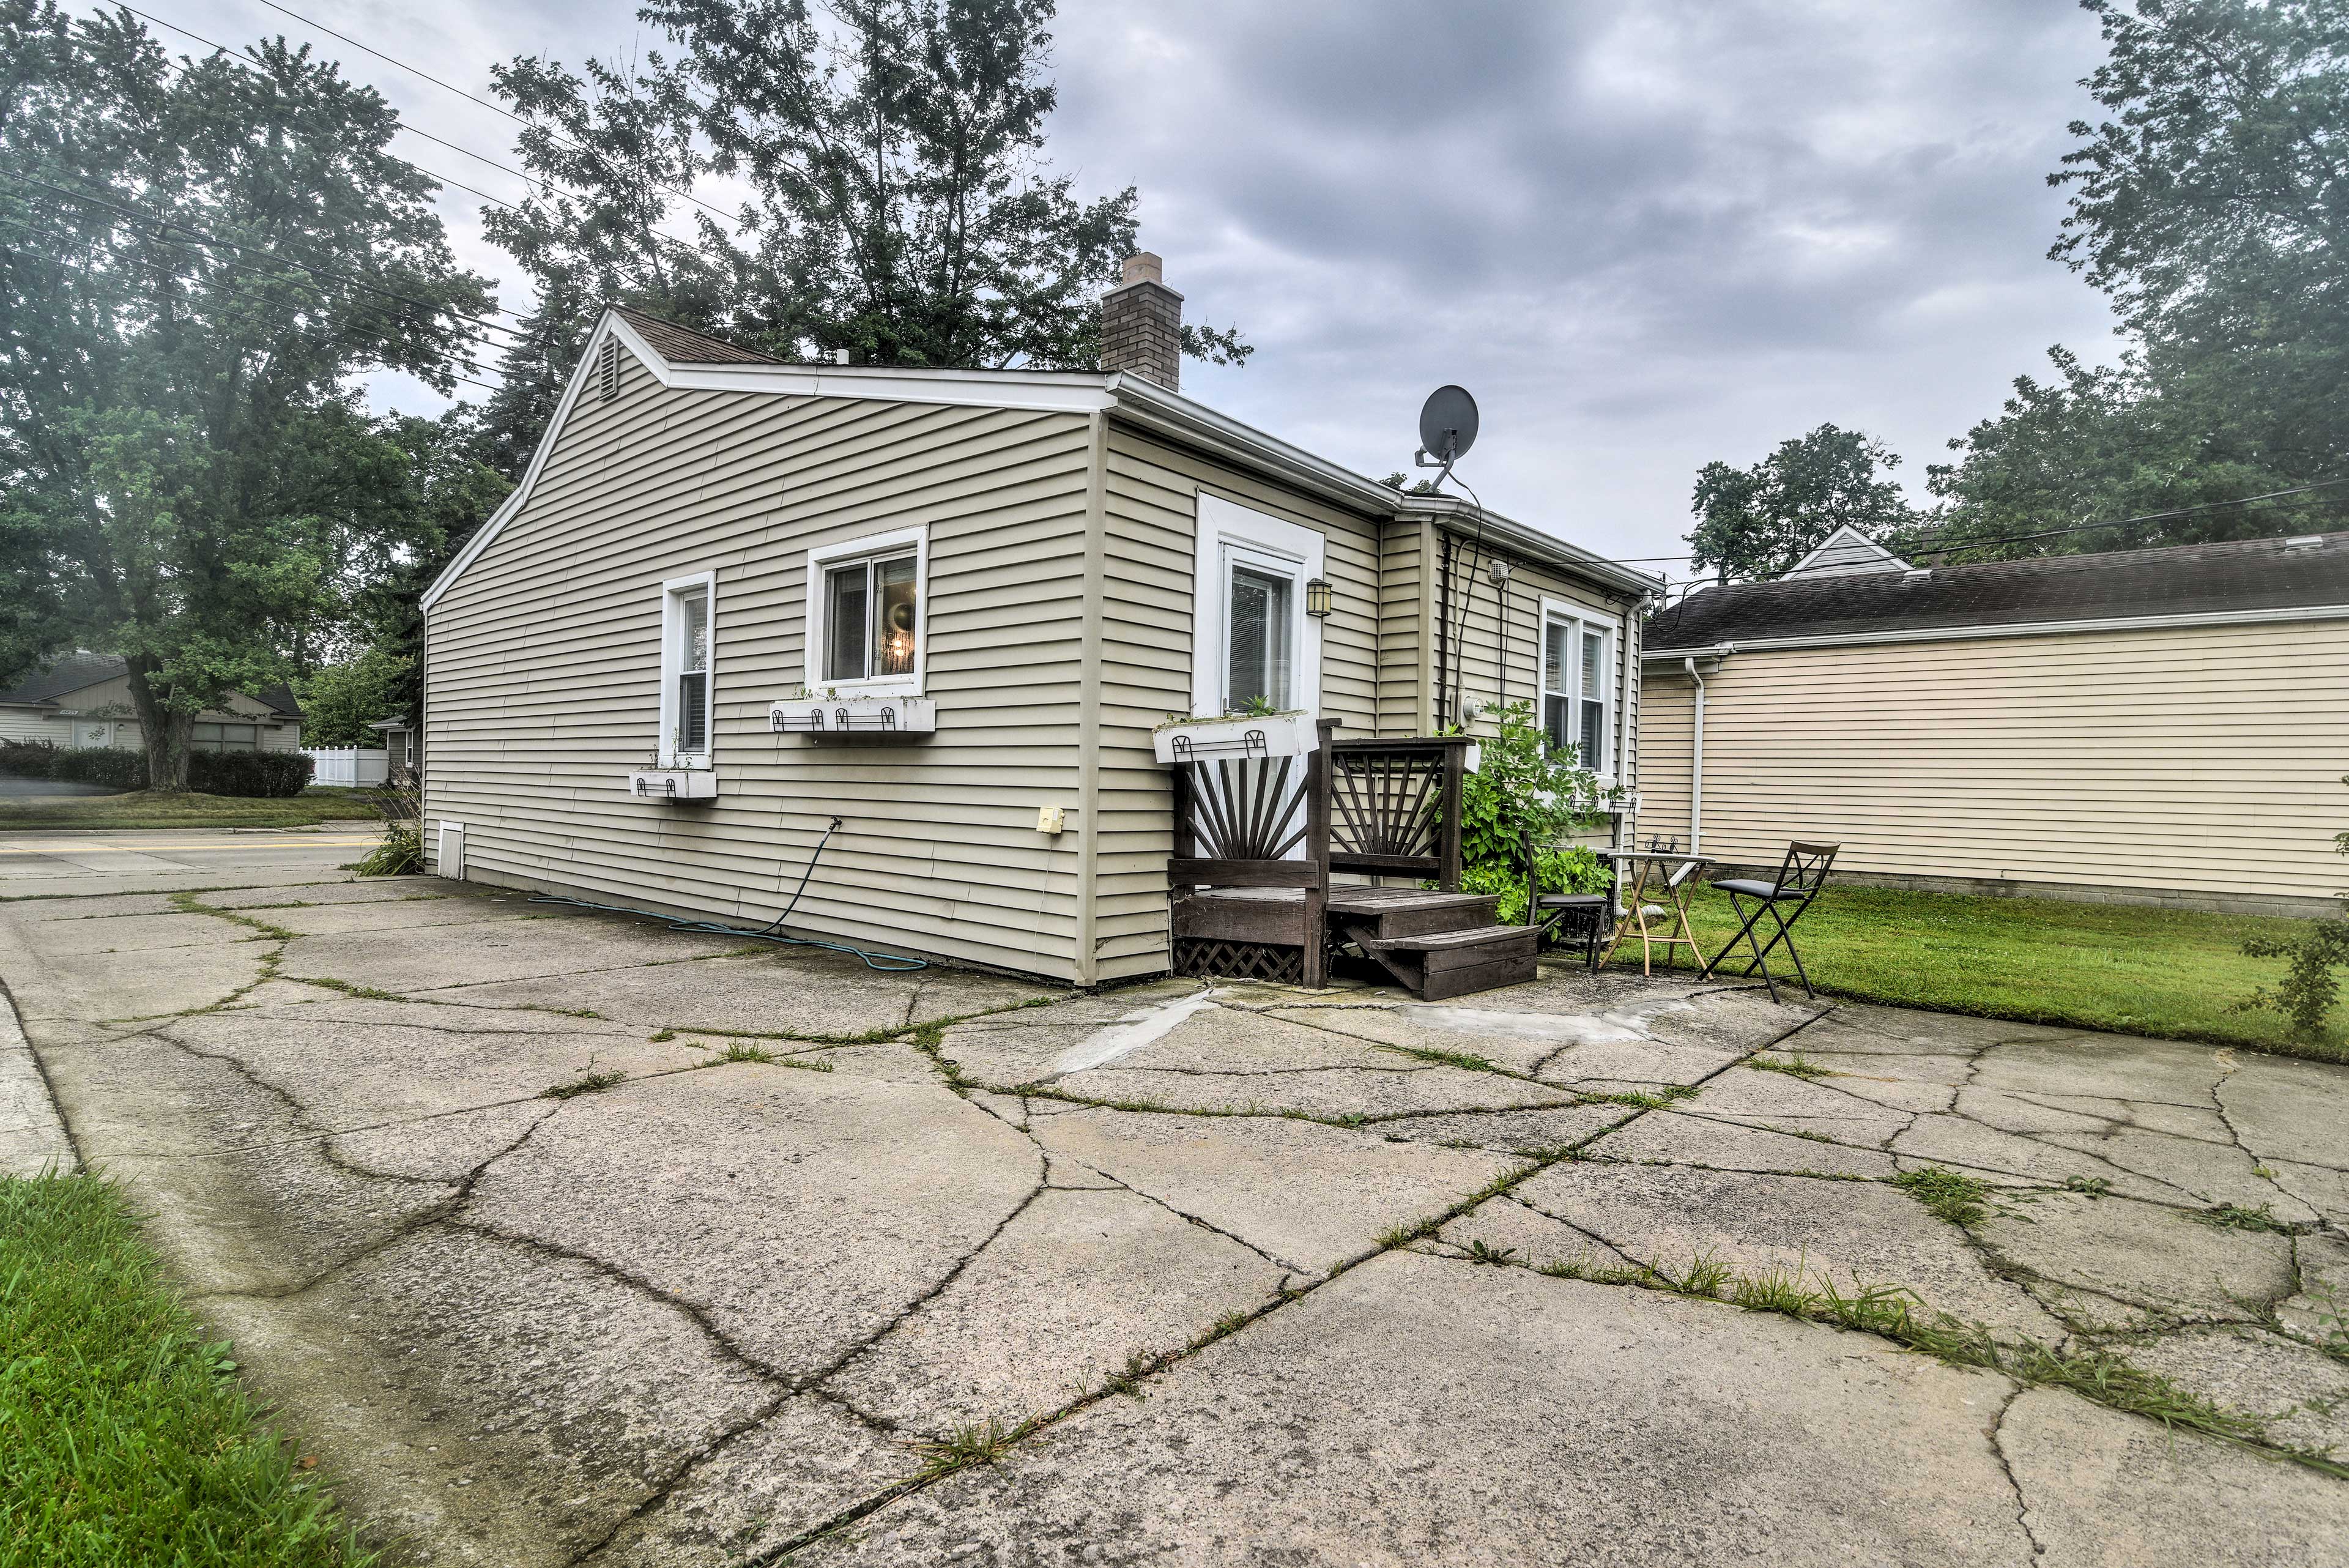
pixel 1645 235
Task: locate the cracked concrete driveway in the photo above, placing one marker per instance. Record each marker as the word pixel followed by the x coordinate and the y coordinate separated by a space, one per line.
pixel 566 1239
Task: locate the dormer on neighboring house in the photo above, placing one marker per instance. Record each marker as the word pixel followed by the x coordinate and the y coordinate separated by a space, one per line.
pixel 1846 553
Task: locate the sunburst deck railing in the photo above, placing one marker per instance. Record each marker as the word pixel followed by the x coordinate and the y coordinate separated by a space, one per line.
pixel 1256 839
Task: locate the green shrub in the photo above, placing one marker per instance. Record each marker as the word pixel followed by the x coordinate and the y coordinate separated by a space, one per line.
pixel 2308 989
pixel 258 775
pixel 255 775
pixel 1520 786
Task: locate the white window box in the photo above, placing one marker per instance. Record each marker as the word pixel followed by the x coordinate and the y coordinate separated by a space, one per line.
pixel 1236 737
pixel 853 716
pixel 674 783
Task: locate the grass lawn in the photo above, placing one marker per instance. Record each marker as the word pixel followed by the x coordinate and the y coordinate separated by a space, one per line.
pixel 2167 972
pixel 94 812
pixel 125 1436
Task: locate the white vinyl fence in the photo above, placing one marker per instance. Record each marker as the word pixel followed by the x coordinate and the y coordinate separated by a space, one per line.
pixel 348 765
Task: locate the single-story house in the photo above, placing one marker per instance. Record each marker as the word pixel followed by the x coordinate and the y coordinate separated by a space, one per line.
pixel 2143 726
pixel 733 598
pixel 84 700
pixel 402 744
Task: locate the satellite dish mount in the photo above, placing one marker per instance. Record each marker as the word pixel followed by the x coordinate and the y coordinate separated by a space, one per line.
pixel 1447 429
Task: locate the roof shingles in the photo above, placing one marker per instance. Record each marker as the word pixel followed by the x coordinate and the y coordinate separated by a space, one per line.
pixel 2236 576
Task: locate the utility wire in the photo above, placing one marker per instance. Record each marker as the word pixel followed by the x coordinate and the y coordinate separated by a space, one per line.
pixel 266 277
pixel 486 103
pixel 213 285
pixel 1923 549
pixel 150 223
pixel 521 174
pixel 2126 522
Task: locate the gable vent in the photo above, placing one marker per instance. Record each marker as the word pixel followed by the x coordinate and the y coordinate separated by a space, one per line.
pixel 607 370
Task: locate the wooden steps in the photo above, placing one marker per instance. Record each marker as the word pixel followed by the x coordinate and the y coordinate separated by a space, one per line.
pixel 1438 945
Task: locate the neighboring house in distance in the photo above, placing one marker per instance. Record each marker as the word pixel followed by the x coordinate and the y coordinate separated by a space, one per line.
pixel 1033 569
pixel 2142 726
pixel 84 700
pixel 401 744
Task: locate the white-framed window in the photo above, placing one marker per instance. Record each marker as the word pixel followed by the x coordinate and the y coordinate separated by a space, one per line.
pixel 868 613
pixel 688 639
pixel 1251 637
pixel 1577 684
pixel 225 737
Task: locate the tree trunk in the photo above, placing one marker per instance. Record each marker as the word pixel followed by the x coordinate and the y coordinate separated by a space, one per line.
pixel 163 732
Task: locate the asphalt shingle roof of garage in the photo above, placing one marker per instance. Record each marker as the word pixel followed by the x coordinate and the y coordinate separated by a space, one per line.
pixel 2238 575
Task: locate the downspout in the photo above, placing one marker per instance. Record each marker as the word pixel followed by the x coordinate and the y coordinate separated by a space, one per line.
pixel 1696 743
pixel 1696 762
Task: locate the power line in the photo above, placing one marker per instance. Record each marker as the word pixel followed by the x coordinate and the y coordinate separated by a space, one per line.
pixel 157 222
pixel 2125 521
pixel 260 272
pixel 486 103
pixel 1925 549
pixel 212 283
pixel 521 174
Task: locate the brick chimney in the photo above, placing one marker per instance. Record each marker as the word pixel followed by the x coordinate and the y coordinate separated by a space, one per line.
pixel 1141 324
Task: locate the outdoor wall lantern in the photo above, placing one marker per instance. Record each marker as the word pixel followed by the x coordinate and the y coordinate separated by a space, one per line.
pixel 1317 598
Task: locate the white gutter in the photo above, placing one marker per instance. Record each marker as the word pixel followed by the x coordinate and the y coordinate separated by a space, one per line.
pixel 1147 404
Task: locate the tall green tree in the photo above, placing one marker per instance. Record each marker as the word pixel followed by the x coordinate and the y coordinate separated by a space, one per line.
pixel 899 203
pixel 1758 522
pixel 195 259
pixel 2211 204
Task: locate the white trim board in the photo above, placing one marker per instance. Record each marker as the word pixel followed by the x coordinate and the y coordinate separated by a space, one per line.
pixel 1051 391
pixel 1132 398
pixel 1223 524
pixel 815 621
pixel 2019 628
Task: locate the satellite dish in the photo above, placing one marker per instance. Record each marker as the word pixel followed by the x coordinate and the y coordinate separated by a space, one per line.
pixel 1447 428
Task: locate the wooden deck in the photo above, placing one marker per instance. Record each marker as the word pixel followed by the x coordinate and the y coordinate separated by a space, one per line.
pixel 1256 841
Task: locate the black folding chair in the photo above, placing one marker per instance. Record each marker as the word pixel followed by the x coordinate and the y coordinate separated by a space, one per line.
pixel 1566 920
pixel 1800 877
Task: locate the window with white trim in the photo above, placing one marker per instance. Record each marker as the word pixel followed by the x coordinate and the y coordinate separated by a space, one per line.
pixel 1252 640
pixel 1578 685
pixel 688 632
pixel 866 613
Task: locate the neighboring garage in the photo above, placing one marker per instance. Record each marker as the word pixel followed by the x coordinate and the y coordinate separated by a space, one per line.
pixel 2145 726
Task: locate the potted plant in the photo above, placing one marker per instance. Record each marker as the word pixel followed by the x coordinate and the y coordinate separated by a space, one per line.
pixel 1255 730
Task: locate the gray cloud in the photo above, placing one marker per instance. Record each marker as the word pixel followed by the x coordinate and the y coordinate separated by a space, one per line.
pixel 1645 235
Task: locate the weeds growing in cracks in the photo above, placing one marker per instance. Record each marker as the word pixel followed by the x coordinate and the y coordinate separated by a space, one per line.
pixel 1959 1199
pixel 976 1443
pixel 1793 1063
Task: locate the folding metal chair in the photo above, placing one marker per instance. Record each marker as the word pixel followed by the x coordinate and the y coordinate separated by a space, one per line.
pixel 1800 877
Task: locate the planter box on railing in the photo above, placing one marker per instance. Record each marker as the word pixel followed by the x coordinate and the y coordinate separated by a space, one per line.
pixel 674 783
pixel 853 716
pixel 1235 738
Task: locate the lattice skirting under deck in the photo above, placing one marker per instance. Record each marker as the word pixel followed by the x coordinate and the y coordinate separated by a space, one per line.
pixel 1208 958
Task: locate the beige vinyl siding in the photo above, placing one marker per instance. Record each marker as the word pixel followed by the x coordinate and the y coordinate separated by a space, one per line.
pixel 1406 620
pixel 1151 511
pixel 274 733
pixel 26 724
pixel 543 666
pixel 2199 760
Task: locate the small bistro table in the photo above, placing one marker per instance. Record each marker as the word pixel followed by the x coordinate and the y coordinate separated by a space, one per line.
pixel 1674 873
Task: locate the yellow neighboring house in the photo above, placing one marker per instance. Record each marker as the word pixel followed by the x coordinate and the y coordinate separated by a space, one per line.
pixel 84 700
pixel 2145 726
